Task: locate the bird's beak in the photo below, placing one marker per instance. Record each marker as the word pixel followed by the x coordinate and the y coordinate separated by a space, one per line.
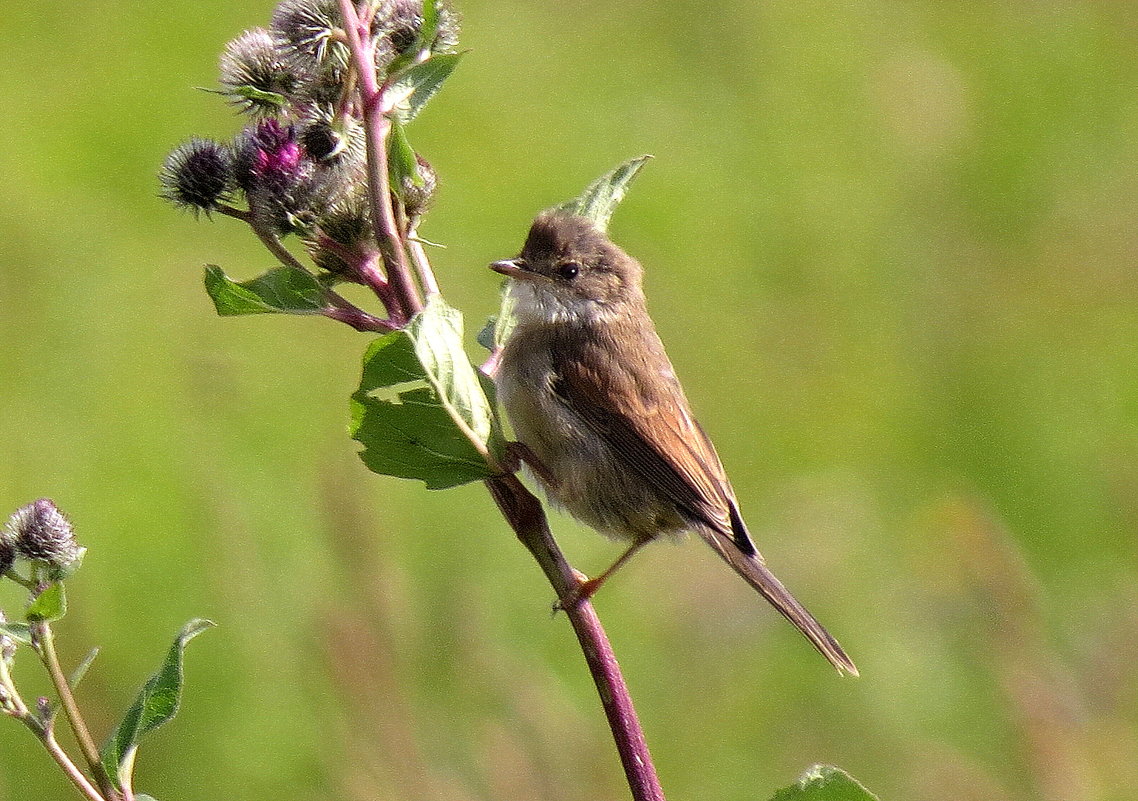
pixel 511 268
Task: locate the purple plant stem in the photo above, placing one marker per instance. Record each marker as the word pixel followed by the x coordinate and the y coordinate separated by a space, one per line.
pixel 377 126
pixel 520 507
pixel 526 516
pixel 356 317
pixel 423 266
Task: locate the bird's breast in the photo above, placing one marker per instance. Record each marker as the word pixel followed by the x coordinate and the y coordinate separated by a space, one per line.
pixel 590 480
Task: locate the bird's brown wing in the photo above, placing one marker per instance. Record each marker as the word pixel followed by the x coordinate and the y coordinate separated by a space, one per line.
pixel 640 411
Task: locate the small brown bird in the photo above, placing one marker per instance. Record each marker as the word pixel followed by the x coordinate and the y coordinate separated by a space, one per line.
pixel 602 419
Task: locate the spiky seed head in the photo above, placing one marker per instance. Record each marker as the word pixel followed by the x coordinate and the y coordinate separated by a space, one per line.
pixel 417 197
pixel 310 34
pixel 447 30
pixel 255 74
pixel 398 26
pixel 198 175
pixel 321 141
pixel 329 136
pixel 348 224
pixel 7 555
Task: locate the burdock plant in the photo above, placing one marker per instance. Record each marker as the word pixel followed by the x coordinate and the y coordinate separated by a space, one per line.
pixel 38 550
pixel 328 90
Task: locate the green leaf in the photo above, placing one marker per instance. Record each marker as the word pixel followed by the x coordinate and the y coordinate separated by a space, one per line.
pixel 51 604
pixel 17 631
pixel 505 321
pixel 420 411
pixel 284 290
pixel 485 336
pixel 81 670
pixel 602 196
pixel 144 797
pixel 824 783
pixel 156 703
pixel 410 92
pixel 257 96
pixel 429 28
pixel 438 344
pixel 401 163
pixel 498 328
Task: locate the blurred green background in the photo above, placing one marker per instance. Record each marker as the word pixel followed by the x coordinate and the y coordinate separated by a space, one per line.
pixel 891 247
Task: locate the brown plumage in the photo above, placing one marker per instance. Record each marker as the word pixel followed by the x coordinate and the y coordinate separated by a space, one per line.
pixel 591 393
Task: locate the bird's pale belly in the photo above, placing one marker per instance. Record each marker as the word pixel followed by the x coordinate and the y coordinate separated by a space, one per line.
pixel 590 482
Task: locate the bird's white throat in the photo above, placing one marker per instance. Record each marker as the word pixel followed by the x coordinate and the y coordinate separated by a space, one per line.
pixel 547 304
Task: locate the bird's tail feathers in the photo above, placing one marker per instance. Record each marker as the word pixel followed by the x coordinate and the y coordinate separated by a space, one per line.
pixel 751 568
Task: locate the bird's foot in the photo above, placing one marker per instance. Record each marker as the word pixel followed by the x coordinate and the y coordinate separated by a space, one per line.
pixel 584 591
pixel 518 453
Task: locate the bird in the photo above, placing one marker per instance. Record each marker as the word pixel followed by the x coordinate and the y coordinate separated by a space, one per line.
pixel 601 419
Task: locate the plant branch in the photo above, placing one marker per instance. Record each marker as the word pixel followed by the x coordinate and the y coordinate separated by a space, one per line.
pixel 44 641
pixel 526 516
pixel 15 707
pixel 341 309
pixel 69 768
pixel 347 312
pixel 363 268
pixel 377 126
pixel 422 264
pixel 520 507
pixel 269 239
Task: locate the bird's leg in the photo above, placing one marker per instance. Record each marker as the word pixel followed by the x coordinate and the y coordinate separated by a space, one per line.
pixel 587 588
pixel 519 452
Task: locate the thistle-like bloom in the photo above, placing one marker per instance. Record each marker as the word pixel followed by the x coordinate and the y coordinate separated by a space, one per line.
pixel 398 25
pixel 198 175
pixel 328 136
pixel 41 532
pixel 268 152
pixel 272 170
pixel 322 141
pixel 310 33
pixel 347 223
pixel 7 552
pixel 417 197
pixel 255 74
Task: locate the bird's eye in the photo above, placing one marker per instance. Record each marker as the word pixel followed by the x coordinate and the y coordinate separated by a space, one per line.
pixel 568 270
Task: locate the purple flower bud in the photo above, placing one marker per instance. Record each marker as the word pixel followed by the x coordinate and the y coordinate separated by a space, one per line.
pixel 267 153
pixel 275 175
pixel 40 531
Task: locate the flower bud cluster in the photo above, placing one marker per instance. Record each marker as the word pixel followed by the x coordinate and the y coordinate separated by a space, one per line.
pixel 41 533
pixel 301 158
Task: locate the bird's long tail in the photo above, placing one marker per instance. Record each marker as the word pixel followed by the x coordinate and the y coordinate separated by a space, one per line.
pixel 751 568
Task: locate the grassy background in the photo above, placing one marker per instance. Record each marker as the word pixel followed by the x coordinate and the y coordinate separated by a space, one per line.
pixel 891 248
